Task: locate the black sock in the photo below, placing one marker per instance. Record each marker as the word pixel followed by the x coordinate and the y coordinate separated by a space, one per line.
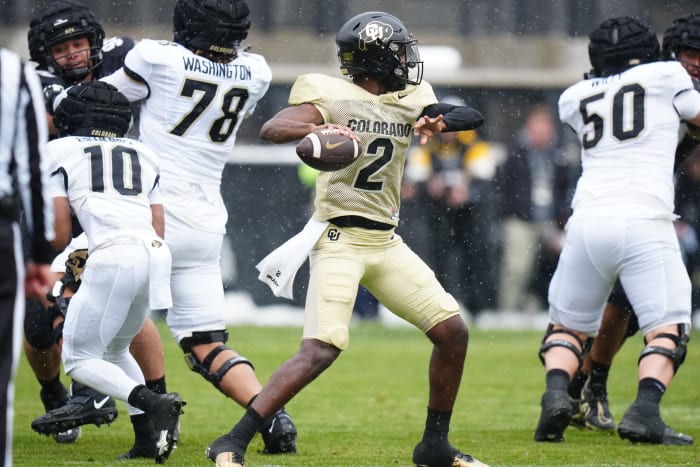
pixel 558 379
pixel 650 391
pixel 577 383
pixel 599 374
pixel 437 427
pixel 157 385
pixel 53 385
pixel 142 398
pixel 246 428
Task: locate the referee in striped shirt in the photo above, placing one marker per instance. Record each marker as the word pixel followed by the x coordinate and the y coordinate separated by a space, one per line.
pixel 23 182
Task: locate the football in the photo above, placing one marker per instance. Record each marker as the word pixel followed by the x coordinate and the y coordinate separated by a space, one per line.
pixel 328 150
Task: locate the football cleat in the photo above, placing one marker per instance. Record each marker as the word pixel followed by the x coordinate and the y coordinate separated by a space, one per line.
pixel 68 436
pixel 140 452
pixel 53 401
pixel 86 406
pixel 223 452
pixel 280 435
pixel 425 455
pixel 643 424
pixel 595 409
pixel 578 418
pixel 165 419
pixel 555 417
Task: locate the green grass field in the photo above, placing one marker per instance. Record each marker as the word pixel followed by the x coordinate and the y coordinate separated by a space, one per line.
pixel 368 409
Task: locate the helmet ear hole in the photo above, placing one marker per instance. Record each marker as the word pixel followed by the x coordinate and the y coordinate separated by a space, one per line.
pixel 93 108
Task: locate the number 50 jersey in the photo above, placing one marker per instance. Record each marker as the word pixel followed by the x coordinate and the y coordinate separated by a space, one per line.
pixel 191 110
pixel 628 126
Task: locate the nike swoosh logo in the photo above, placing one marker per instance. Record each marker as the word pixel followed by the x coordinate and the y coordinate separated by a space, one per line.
pixel 272 425
pixel 401 96
pixel 330 145
pixel 98 405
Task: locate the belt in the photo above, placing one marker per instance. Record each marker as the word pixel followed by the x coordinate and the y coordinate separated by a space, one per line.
pixel 358 221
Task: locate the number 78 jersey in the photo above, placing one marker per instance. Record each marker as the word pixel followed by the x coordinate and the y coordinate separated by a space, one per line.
pixel 628 128
pixel 194 106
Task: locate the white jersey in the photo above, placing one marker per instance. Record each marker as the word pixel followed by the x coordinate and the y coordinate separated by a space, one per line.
pixel 110 184
pixel 192 111
pixel 628 127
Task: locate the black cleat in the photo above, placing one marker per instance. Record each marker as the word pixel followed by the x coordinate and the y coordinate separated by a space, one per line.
pixel 86 406
pixel 54 400
pixel 443 455
pixel 595 409
pixel 140 452
pixel 280 435
pixel 165 419
pixel 556 414
pixel 578 418
pixel 643 424
pixel 223 452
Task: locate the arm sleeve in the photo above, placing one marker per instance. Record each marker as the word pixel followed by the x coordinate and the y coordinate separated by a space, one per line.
pixel 457 118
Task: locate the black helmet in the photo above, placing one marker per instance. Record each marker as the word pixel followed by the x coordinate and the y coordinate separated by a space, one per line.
pixel 92 108
pixel 62 20
pixel 213 26
pixel 378 44
pixel 621 43
pixel 684 32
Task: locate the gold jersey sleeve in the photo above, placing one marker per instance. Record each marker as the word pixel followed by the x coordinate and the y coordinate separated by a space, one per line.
pixel 369 187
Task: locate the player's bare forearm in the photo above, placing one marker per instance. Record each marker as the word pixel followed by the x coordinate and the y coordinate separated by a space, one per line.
pixel 62 223
pixel 291 124
pixel 158 219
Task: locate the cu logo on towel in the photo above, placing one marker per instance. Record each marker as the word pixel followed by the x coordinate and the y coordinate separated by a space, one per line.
pixel 333 235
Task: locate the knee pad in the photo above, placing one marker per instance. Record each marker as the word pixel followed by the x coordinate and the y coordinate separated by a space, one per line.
pixel 204 367
pixel 546 345
pixel 677 355
pixel 37 326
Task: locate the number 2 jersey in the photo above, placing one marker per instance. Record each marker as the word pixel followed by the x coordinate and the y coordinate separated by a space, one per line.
pixel 628 127
pixel 191 111
pixel 110 184
pixel 370 187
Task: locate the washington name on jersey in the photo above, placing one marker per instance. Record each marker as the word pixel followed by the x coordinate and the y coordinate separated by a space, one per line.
pixel 191 110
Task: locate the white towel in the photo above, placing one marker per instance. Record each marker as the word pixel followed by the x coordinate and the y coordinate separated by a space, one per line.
pixel 279 268
pixel 159 293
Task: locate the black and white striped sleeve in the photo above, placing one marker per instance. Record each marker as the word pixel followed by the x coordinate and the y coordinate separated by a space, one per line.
pixel 23 160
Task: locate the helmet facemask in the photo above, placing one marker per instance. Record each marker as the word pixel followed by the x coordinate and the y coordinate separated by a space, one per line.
pixel 65 20
pixel 74 75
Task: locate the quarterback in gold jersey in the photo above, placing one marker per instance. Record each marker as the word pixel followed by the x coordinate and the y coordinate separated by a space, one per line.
pixel 350 239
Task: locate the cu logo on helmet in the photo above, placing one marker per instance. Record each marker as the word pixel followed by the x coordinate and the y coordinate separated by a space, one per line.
pixel 376 31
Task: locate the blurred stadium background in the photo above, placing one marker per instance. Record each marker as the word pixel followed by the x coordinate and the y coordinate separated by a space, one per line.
pixel 499 55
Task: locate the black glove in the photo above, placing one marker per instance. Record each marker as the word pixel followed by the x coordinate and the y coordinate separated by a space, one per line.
pixel 50 93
